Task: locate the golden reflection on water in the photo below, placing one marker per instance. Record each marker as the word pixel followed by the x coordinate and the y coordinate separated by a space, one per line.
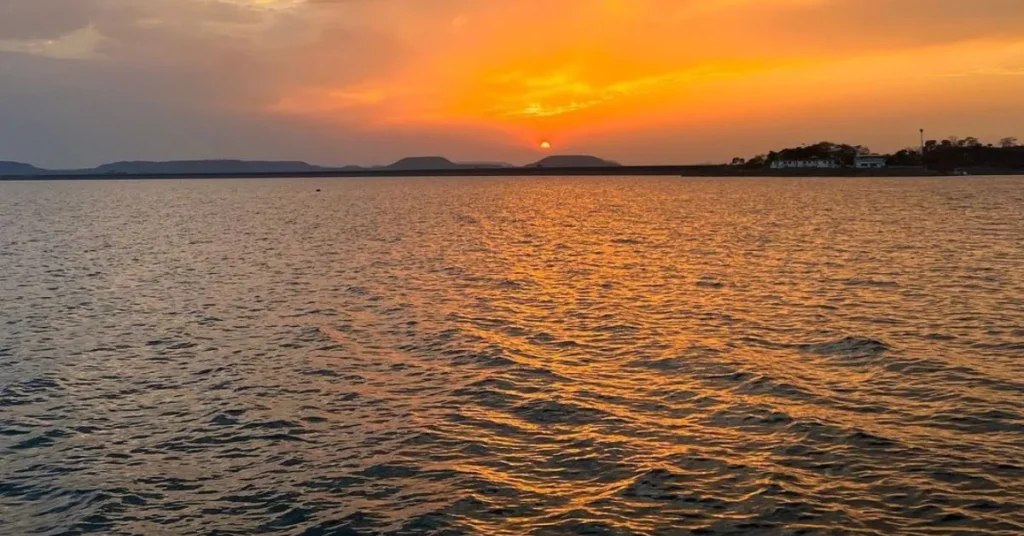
pixel 606 356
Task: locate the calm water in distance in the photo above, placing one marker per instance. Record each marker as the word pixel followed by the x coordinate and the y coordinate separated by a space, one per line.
pixel 655 356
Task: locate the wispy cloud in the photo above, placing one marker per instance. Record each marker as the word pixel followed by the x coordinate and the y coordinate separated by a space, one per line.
pixel 78 45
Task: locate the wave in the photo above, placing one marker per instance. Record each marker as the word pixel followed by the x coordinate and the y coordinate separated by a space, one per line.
pixel 847 346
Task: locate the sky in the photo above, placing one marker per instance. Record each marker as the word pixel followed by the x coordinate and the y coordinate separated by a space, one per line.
pixel 84 82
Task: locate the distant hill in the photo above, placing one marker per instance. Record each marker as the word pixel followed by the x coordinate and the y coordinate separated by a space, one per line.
pixel 424 163
pixel 238 167
pixel 427 163
pixel 573 161
pixel 202 166
pixel 256 167
pixel 19 169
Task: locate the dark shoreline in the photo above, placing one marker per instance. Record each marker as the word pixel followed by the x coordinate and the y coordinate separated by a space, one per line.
pixel 681 171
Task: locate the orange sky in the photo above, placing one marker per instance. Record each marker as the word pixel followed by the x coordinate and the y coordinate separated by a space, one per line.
pixel 636 80
pixel 568 70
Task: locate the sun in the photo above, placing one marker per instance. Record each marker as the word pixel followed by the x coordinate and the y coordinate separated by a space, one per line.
pixel 545 145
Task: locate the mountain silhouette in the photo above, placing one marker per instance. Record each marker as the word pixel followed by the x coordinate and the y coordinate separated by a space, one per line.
pixel 256 167
pixel 428 163
pixel 205 166
pixel 573 161
pixel 19 169
pixel 424 163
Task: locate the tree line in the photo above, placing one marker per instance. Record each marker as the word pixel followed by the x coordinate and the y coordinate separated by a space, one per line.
pixel 943 155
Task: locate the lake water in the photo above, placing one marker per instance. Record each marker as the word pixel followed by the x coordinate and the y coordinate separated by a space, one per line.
pixel 512 356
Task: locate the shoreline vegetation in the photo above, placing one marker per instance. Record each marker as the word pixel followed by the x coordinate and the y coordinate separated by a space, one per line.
pixel 936 156
pixel 951 156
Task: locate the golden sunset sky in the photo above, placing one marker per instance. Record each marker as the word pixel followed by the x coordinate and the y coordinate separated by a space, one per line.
pixel 369 81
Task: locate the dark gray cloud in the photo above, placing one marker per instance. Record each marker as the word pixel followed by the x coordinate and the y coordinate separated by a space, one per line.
pixel 170 79
pixel 44 19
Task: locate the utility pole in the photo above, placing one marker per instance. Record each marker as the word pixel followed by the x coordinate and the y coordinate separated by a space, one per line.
pixel 922 147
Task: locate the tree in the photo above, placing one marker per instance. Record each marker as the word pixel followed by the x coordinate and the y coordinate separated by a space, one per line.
pixel 758 161
pixel 825 150
pixel 1008 143
pixel 911 156
pixel 738 161
pixel 970 141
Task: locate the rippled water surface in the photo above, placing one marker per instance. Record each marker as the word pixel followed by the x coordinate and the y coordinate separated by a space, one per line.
pixel 512 356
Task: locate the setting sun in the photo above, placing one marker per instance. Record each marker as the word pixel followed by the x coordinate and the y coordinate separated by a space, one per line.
pixel 545 145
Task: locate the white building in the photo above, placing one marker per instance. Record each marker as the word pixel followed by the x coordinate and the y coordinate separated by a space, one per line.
pixel 869 161
pixel 816 163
